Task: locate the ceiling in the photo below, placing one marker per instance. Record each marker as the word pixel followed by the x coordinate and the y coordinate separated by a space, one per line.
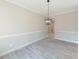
pixel 40 6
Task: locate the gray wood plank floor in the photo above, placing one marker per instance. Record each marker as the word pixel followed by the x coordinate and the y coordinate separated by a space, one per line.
pixel 46 49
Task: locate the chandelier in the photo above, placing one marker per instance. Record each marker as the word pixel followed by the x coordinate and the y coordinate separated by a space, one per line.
pixel 48 20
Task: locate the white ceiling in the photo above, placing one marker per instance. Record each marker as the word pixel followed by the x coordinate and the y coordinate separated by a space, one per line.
pixel 40 6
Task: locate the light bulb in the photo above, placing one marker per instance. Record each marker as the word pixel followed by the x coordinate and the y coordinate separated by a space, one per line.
pixel 48 21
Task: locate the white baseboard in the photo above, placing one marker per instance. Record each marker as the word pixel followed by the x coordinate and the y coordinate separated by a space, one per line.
pixel 15 42
pixel 67 36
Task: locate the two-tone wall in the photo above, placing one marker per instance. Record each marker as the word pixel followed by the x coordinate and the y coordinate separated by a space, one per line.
pixel 66 27
pixel 19 27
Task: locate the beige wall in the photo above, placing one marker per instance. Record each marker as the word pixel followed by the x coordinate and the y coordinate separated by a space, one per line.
pixel 67 22
pixel 15 24
pixel 14 19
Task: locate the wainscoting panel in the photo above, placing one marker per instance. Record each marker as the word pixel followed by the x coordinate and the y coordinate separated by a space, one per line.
pixel 67 36
pixel 11 43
